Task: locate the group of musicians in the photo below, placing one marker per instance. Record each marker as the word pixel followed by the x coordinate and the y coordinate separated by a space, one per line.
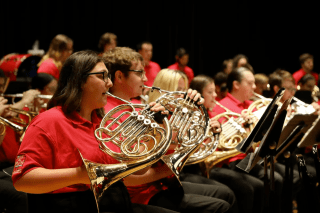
pixel 49 174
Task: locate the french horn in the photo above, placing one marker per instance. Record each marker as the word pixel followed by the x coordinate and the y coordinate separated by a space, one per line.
pixel 233 130
pixel 141 141
pixel 190 126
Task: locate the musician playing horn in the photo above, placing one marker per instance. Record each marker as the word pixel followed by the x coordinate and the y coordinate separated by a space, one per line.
pixel 241 84
pixel 127 74
pixel 49 166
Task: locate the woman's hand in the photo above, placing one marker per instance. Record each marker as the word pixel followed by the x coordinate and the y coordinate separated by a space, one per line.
pixel 156 107
pixel 195 96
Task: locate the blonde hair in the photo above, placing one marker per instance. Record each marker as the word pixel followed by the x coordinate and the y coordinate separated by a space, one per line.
pixel 167 79
pixel 58 44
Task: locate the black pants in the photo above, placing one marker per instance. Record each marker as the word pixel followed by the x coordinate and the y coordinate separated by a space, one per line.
pixel 196 198
pixel 114 199
pixel 11 199
pixel 222 191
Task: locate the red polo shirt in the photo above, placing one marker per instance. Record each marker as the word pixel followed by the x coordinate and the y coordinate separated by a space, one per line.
pixel 52 141
pixel 300 73
pixel 10 146
pixel 151 72
pixel 236 106
pixel 49 67
pixel 187 70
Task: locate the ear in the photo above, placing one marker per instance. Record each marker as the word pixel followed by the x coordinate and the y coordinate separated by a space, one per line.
pixel 118 76
pixel 235 85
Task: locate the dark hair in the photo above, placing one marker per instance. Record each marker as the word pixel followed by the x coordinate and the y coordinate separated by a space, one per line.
pixel 306 78
pixel 237 58
pixel 277 77
pixel 120 58
pixel 41 80
pixel 2 75
pixel 235 75
pixel 139 46
pixel 106 39
pixel 200 82
pixel 72 77
pixel 181 52
pixel 225 63
pixel 220 78
pixel 304 57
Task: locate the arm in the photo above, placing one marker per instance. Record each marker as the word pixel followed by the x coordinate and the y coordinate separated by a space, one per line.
pixel 41 180
pixel 28 98
pixel 153 174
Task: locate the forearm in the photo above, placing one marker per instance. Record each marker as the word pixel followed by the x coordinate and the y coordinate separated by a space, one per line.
pixel 43 180
pixel 153 174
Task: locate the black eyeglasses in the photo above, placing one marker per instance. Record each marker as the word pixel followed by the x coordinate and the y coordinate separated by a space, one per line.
pixel 141 72
pixel 105 75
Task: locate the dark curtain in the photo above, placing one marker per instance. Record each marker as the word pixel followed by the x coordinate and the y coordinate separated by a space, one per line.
pixel 271 33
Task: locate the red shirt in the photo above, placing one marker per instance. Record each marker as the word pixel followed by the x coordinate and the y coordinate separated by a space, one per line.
pixel 151 72
pixel 10 146
pixel 187 70
pixel 52 141
pixel 236 106
pixel 300 73
pixel 49 67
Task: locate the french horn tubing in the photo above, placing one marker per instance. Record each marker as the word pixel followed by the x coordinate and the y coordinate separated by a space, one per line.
pixel 141 140
pixel 233 131
pixel 189 123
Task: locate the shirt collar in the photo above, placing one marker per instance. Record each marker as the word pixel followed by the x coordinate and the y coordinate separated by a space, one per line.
pixel 75 118
pixel 245 104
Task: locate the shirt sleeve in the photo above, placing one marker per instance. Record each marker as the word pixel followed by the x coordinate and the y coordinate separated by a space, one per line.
pixel 37 150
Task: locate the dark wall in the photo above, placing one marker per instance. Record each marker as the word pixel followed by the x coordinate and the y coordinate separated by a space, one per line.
pixel 271 34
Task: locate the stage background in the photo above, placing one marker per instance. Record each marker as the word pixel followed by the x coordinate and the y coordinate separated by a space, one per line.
pixel 271 33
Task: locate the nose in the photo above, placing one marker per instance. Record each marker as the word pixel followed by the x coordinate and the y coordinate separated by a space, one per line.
pixel 144 79
pixel 109 83
pixel 254 86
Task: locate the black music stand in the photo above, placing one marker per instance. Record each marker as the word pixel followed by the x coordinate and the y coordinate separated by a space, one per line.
pixel 270 136
pixel 312 136
pixel 291 135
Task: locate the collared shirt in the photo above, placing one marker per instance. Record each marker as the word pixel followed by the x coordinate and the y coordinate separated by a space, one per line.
pixel 233 105
pixel 187 70
pixel 300 73
pixel 151 72
pixel 54 139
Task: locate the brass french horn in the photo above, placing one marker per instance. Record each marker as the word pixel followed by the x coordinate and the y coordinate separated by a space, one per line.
pixel 141 140
pixel 190 125
pixel 233 130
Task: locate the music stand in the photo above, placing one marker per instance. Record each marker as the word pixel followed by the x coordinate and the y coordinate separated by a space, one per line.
pixel 268 143
pixel 263 124
pixel 312 136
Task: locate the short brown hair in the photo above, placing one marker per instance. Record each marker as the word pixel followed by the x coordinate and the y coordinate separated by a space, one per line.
pixel 278 77
pixel 120 58
pixel 200 82
pixel 304 57
pixel 106 39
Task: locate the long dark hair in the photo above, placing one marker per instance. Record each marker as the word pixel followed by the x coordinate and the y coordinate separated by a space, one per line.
pixel 72 77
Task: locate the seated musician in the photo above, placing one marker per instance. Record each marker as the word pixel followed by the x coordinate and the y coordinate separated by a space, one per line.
pixel 48 166
pixel 128 76
pixel 61 47
pixel 248 190
pixel 11 199
pixel 241 84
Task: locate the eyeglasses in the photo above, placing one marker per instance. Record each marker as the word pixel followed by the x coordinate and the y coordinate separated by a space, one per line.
pixel 105 75
pixel 142 73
